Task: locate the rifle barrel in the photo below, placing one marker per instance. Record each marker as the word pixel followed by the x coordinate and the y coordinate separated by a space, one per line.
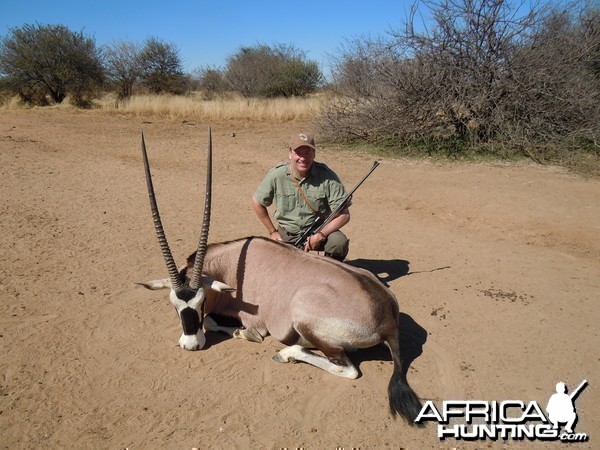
pixel 578 389
pixel 302 239
pixel 343 204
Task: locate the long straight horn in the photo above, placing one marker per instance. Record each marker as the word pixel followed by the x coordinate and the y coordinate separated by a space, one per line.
pixel 160 233
pixel 196 279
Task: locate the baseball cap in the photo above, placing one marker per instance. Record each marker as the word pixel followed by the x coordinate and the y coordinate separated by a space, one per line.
pixel 302 140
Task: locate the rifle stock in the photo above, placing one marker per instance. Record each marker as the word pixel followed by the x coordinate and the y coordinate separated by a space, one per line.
pixel 320 222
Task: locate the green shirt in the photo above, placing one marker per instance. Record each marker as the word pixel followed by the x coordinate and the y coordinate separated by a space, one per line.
pixel 322 188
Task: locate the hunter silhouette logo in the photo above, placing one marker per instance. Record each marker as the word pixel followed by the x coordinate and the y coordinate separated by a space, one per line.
pixel 561 407
pixel 508 419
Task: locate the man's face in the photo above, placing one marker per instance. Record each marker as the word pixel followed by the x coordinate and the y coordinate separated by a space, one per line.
pixel 302 159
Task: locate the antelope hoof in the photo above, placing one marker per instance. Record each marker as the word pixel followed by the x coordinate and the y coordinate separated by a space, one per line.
pixel 280 359
pixel 253 335
pixel 249 334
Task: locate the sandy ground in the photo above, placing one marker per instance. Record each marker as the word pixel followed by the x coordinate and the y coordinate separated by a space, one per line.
pixel 500 264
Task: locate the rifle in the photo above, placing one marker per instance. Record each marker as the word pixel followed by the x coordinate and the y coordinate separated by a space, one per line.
pixel 578 389
pixel 321 221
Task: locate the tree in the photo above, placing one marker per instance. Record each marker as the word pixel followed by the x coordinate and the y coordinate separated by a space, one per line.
pixel 296 77
pixel 211 80
pixel 480 72
pixel 161 66
pixel 271 71
pixel 590 30
pixel 123 66
pixel 557 81
pixel 50 60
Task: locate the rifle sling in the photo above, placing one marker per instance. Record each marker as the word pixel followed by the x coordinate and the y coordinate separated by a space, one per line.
pixel 302 192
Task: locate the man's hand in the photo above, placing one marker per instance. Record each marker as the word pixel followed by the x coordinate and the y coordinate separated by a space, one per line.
pixel 314 242
pixel 275 236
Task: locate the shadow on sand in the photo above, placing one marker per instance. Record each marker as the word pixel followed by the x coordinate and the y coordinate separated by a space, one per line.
pixel 412 335
pixel 412 339
pixel 386 270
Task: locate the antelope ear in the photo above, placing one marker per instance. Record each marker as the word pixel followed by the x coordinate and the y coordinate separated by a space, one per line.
pixel 215 285
pixel 165 283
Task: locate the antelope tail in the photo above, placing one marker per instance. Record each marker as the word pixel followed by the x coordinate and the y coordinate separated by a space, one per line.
pixel 403 400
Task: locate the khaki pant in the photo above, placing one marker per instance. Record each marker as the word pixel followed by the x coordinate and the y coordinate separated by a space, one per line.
pixel 336 245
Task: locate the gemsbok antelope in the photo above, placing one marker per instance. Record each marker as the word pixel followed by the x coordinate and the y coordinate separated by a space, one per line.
pixel 302 300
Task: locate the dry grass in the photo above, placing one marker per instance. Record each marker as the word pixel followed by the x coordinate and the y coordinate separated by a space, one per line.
pixel 8 101
pixel 194 107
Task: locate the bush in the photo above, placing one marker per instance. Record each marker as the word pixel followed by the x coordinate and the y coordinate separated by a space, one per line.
pixel 483 74
pixel 161 67
pixel 265 71
pixel 211 81
pixel 43 63
pixel 123 67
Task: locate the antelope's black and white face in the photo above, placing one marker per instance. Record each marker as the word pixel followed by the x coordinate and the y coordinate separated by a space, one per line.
pixel 189 305
pixel 191 314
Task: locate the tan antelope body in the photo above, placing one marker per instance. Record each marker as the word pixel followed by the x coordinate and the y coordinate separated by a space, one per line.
pixel 302 300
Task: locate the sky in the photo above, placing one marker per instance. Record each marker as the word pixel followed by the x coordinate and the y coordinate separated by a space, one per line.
pixel 207 32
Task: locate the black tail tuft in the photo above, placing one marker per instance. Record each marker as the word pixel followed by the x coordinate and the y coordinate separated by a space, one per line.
pixel 403 400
